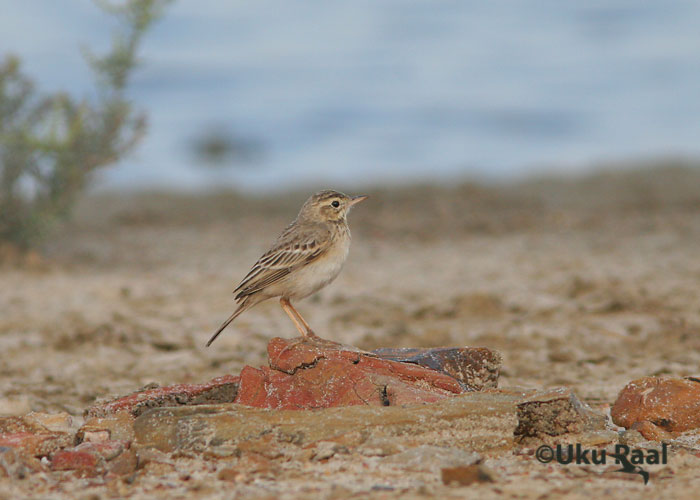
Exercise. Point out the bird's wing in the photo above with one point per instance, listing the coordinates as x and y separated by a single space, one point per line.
294 248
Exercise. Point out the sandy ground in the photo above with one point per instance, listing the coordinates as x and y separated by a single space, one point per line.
588 283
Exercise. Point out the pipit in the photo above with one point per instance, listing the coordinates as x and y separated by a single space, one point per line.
307 256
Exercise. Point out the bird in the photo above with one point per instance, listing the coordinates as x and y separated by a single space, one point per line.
306 257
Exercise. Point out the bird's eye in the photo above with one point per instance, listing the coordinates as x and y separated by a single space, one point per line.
335 203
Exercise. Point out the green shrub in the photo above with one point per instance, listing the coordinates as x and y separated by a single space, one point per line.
50 145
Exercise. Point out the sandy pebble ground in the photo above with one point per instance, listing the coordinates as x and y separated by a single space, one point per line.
588 283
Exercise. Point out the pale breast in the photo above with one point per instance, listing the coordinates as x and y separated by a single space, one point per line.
317 274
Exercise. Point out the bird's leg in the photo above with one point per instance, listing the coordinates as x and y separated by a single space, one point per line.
294 316
309 331
308 334
302 326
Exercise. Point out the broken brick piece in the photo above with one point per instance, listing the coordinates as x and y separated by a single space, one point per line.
659 407
555 412
304 376
476 368
219 390
36 445
93 459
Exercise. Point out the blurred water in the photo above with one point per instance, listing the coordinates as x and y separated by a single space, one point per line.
351 93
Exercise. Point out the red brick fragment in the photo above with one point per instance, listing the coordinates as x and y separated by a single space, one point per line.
659 407
93 459
219 390
83 461
321 374
303 376
36 445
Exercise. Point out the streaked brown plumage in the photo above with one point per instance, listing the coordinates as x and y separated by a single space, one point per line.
307 256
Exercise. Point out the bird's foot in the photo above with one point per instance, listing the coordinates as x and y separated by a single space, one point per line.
310 338
287 348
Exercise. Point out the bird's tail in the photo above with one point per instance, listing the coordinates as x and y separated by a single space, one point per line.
242 307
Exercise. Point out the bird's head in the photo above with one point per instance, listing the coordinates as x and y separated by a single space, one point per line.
329 206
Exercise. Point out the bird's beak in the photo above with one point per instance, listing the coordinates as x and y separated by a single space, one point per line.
357 199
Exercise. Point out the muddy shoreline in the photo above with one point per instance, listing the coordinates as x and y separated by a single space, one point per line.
586 284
